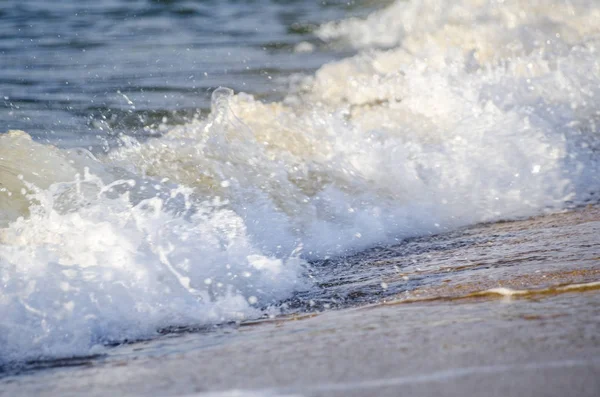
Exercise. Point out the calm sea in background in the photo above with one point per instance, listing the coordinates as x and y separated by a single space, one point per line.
73 73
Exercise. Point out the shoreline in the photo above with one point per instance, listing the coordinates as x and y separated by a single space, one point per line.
444 340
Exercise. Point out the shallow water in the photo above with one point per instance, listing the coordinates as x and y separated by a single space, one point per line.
346 186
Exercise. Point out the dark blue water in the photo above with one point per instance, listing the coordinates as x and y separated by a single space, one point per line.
76 73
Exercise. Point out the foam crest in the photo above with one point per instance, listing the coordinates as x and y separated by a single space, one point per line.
468 24
88 267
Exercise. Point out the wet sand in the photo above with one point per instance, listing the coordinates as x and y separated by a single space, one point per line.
446 324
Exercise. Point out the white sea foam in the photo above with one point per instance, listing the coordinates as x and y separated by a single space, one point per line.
476 111
88 266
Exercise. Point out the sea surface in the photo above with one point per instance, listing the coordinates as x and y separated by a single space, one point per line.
76 73
168 167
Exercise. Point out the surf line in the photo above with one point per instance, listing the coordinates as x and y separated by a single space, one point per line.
501 292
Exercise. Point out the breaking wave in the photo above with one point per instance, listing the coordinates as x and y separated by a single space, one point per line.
452 113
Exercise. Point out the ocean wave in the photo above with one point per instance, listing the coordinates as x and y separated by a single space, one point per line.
451 114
